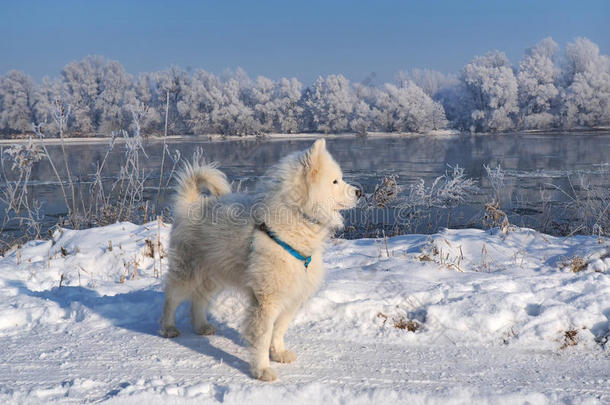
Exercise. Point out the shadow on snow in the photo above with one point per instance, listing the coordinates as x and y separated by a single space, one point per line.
138 311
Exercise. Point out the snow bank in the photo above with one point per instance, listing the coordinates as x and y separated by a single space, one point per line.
461 316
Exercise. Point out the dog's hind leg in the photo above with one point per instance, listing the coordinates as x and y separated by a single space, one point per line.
175 293
200 299
260 329
278 350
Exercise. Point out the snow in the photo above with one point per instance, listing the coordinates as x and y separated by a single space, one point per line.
458 317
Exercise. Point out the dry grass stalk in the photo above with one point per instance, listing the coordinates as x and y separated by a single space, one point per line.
159 246
495 217
409 325
385 192
400 322
570 338
577 264
385 241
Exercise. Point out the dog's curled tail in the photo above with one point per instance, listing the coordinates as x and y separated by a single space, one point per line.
195 175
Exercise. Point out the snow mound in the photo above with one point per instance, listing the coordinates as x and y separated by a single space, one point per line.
471 287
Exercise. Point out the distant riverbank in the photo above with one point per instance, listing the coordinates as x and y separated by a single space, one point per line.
219 137
298 136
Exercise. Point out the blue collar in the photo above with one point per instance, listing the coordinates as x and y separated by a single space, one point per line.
306 259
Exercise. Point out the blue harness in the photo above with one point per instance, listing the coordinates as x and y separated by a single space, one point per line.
305 259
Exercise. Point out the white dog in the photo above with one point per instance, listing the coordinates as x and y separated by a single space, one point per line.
269 244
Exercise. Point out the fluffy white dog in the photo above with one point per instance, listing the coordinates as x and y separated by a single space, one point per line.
268 243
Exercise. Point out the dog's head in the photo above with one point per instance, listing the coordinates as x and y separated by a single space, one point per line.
326 191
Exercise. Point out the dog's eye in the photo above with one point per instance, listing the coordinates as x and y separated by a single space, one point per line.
336 182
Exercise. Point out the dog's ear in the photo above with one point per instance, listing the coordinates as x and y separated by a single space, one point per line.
319 144
314 158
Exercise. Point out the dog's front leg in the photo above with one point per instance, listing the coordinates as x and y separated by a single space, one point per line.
278 350
262 319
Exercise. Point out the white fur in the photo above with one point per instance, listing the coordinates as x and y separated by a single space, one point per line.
215 243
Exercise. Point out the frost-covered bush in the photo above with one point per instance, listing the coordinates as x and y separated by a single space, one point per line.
446 191
20 210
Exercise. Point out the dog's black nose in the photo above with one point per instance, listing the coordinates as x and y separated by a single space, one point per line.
358 193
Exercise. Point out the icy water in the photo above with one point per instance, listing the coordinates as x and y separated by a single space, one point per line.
533 164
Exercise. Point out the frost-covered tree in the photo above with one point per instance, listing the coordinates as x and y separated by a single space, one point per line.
537 90
491 89
329 104
16 102
113 96
219 105
430 81
487 96
407 109
586 77
363 116
288 111
175 82
261 97
82 80
275 104
232 116
360 120
46 96
143 97
233 106
200 100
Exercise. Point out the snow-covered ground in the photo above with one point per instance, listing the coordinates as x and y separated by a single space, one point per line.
459 317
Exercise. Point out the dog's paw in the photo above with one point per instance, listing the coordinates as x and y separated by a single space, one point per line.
169 332
205 329
283 357
264 374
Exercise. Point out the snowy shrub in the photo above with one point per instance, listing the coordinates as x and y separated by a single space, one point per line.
496 180
446 191
588 207
385 192
20 211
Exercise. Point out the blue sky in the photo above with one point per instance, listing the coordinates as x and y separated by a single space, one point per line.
280 38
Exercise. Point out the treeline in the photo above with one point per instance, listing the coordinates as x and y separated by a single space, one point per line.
547 90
